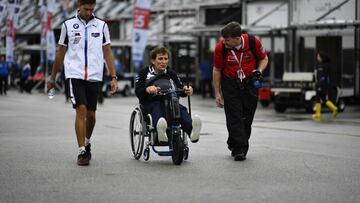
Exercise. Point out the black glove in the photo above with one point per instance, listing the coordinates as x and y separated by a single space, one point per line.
257 78
257 75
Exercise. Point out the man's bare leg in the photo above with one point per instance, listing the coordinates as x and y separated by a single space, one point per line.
90 123
80 129
80 124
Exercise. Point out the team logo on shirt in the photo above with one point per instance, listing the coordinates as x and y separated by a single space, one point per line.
231 58
76 26
246 56
95 34
77 38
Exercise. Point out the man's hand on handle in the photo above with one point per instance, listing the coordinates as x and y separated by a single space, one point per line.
152 89
188 90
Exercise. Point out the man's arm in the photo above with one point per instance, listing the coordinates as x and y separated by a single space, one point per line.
109 58
261 53
263 64
56 66
58 61
217 87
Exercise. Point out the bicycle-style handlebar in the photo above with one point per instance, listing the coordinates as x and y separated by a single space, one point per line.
169 91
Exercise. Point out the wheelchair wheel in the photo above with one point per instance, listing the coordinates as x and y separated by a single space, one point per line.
178 152
137 132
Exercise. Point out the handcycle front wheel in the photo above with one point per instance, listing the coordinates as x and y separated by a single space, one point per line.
136 132
186 153
178 151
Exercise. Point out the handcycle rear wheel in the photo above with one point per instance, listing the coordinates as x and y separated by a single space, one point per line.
136 132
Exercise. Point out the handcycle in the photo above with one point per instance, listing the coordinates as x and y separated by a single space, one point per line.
142 132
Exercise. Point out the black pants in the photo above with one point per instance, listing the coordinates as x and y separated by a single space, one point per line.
240 104
25 84
321 93
3 84
84 92
156 109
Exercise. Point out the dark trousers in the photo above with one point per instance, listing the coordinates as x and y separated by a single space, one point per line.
67 90
156 109
240 104
25 84
101 94
320 97
321 93
3 84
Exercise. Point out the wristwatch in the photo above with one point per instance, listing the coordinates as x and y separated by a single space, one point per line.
114 77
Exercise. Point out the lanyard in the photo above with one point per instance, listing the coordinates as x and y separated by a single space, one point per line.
240 72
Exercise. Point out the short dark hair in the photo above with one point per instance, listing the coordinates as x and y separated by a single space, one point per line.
158 50
231 30
82 2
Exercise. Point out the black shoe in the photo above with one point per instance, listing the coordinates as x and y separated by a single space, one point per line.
88 151
83 159
239 156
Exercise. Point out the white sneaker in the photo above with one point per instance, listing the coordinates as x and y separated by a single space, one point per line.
161 127
195 133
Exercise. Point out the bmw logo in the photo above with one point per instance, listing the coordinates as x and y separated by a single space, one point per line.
76 26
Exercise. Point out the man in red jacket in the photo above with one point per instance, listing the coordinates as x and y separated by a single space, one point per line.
235 64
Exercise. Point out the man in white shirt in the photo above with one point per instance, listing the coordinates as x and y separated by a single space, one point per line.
83 45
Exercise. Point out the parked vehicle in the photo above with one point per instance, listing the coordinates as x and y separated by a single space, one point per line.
297 90
125 86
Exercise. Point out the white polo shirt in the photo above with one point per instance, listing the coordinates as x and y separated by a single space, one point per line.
84 58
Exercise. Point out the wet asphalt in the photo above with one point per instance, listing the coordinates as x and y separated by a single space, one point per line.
291 158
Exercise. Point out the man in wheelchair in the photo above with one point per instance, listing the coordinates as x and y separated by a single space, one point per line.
158 76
